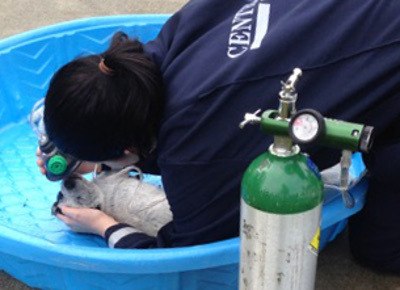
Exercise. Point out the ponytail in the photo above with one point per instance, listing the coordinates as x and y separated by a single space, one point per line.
123 53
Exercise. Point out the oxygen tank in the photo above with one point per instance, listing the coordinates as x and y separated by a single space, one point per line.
282 194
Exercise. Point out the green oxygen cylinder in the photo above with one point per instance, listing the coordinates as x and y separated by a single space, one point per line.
282 194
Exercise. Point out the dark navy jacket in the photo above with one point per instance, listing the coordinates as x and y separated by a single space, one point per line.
223 58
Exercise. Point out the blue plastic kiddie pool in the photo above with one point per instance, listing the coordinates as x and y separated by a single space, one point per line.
38 249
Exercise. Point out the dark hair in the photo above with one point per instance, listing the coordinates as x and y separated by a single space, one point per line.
94 115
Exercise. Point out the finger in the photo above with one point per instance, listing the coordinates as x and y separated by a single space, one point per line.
75 213
69 212
40 162
42 170
38 152
65 219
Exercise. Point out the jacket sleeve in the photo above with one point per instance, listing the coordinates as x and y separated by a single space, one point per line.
124 236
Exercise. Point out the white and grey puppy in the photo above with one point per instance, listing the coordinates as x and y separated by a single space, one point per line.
128 199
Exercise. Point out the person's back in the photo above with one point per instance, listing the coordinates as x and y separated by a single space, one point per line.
221 59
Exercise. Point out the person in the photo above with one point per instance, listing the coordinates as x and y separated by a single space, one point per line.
218 60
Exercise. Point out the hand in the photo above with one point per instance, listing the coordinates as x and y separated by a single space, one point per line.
40 162
86 220
85 167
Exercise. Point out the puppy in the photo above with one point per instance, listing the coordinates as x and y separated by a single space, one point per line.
128 199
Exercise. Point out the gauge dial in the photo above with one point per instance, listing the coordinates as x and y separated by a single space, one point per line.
306 126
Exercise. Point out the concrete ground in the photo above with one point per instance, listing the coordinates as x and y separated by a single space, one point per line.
336 268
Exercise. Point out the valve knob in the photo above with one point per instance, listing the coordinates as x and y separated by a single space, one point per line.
250 118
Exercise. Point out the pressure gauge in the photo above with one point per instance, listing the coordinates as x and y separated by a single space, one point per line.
306 126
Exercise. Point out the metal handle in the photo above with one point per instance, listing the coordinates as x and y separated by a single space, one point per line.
250 118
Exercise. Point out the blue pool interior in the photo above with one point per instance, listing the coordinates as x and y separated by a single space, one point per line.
31 59
37 248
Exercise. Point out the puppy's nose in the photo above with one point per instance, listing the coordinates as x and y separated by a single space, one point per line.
55 209
69 183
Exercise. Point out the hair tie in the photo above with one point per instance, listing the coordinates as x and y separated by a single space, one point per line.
105 69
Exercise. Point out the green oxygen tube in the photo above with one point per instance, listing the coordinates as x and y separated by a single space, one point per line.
282 193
